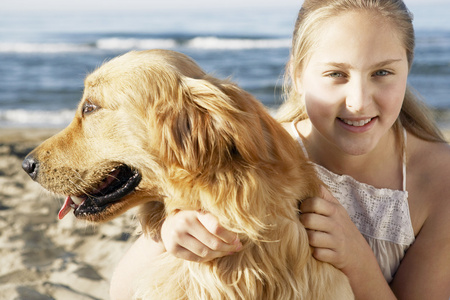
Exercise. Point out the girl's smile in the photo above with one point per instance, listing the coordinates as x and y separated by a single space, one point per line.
357 125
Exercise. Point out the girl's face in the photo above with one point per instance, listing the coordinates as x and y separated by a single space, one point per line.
354 82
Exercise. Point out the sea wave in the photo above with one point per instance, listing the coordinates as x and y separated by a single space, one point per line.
38 118
437 41
238 44
43 47
132 43
120 43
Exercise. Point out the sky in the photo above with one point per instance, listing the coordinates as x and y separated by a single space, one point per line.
149 5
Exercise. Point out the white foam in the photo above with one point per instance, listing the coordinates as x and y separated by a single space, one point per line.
39 118
213 43
131 43
43 47
237 44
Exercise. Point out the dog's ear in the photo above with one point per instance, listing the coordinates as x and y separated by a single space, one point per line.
212 123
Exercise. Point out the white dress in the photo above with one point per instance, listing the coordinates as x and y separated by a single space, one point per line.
381 215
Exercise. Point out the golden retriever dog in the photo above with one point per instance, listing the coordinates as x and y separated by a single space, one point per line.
154 130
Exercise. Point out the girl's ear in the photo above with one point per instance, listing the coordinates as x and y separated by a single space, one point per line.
298 84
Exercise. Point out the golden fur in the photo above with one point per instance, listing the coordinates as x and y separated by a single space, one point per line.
199 143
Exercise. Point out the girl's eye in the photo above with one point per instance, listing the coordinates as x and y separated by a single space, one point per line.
89 107
335 75
382 73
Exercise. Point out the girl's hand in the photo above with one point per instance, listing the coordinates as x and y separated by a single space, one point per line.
197 236
332 234
336 240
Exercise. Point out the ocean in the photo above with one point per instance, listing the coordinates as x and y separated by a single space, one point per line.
45 56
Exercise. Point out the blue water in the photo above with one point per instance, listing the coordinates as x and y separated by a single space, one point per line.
44 57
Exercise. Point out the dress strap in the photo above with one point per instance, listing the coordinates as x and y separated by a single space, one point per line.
299 139
404 158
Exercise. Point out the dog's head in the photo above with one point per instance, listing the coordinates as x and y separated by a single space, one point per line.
152 126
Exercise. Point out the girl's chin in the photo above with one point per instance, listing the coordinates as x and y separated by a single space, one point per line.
357 150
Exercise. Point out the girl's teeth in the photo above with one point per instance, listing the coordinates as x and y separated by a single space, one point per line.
356 123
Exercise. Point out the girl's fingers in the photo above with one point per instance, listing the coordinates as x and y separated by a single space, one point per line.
315 221
324 205
210 241
320 239
195 236
194 250
325 255
319 206
326 194
212 225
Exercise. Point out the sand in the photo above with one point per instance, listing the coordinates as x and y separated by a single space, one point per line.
40 256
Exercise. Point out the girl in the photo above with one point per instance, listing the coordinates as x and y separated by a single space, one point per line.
386 222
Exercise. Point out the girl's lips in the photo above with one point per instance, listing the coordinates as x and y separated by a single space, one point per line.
357 125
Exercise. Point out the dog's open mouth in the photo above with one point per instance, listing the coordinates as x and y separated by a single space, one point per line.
120 182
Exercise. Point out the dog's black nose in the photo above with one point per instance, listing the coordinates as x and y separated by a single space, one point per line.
31 166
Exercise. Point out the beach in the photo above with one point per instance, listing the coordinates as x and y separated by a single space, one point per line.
44 58
42 257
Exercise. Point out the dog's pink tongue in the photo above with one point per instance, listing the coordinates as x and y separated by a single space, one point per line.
65 209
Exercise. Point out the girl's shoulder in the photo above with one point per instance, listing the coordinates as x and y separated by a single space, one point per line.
428 173
430 158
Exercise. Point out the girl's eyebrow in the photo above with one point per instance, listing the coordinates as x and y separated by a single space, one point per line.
386 63
347 66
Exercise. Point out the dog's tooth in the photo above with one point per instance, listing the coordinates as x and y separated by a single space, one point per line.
77 200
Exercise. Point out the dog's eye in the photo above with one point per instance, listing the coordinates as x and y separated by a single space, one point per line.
89 107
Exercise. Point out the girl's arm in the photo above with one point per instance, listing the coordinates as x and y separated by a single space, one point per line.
424 273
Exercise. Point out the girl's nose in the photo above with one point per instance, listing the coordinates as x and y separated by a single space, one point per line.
358 96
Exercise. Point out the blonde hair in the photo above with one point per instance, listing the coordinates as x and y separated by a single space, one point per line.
414 116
